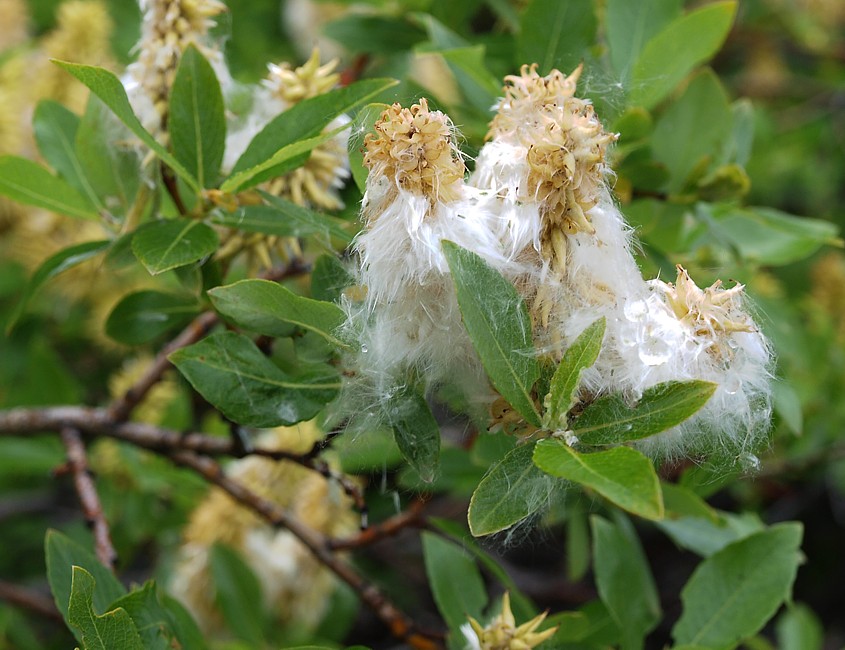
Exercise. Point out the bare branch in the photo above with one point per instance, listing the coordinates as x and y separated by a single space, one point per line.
29 599
88 497
387 528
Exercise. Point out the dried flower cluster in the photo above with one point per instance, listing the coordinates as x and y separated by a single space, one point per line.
537 209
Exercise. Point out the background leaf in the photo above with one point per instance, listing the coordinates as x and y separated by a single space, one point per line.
555 34
624 580
27 182
497 321
196 120
237 592
145 315
455 581
233 375
631 25
622 475
734 592
114 629
416 432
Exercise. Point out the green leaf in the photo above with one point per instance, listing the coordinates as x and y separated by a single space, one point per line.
159 625
114 629
704 536
683 44
621 475
238 594
62 553
269 308
499 326
285 159
166 244
609 420
283 219
302 121
631 25
109 159
234 376
142 316
476 82
624 580
701 119
798 628
680 501
563 391
373 34
455 581
53 266
28 182
416 432
329 278
512 490
55 129
771 237
788 406
196 120
110 90
733 593
556 34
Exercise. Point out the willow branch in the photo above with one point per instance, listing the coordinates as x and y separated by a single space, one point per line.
88 497
29 599
399 624
387 528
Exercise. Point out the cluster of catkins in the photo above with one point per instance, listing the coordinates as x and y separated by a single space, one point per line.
538 210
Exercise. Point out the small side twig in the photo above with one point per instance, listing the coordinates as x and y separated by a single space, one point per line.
29 599
387 528
88 497
399 624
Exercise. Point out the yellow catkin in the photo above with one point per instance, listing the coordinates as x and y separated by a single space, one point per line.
503 633
296 586
15 29
12 104
828 289
82 33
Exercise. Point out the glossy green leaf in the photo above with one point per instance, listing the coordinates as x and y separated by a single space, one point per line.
269 308
110 90
160 625
196 120
285 159
771 237
514 489
238 594
455 581
113 629
733 593
701 119
556 34
416 432
630 25
29 183
233 375
609 420
683 44
167 244
622 475
302 121
500 328
145 315
704 536
109 157
578 357
55 128
62 554
53 266
284 219
624 580
798 628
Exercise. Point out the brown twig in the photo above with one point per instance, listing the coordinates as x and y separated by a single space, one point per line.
387 528
29 599
88 497
399 624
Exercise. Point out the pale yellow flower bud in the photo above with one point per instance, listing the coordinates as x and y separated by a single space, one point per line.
503 634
